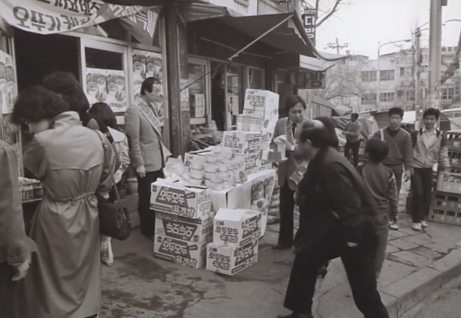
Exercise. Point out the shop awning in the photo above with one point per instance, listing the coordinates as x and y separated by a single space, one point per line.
288 36
313 64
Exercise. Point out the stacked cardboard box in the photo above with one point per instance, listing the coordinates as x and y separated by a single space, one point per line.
235 241
183 222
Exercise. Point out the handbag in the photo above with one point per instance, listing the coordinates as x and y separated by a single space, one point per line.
114 219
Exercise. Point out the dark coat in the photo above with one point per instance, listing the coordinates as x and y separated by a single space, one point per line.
333 200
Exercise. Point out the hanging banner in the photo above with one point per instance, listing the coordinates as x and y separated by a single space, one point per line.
142 25
56 16
8 87
107 86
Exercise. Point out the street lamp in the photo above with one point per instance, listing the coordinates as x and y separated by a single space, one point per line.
378 66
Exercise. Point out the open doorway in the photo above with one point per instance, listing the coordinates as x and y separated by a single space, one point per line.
39 55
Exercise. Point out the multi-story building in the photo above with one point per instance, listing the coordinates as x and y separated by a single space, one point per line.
378 84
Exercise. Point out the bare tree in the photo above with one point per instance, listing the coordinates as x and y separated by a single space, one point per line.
332 10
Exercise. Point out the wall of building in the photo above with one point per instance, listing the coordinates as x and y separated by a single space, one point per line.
243 7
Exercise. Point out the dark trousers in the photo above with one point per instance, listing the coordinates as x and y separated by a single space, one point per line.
360 265
354 147
398 173
7 298
287 204
421 190
147 216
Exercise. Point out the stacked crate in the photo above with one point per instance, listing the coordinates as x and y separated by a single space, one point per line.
446 203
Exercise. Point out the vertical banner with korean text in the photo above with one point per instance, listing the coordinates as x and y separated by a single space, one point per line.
310 21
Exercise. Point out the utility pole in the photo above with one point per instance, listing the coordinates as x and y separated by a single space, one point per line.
417 71
435 52
337 46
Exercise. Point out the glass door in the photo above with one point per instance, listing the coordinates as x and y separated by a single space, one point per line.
198 91
234 94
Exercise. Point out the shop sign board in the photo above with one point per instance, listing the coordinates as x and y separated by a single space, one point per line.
52 16
179 251
309 22
230 260
107 86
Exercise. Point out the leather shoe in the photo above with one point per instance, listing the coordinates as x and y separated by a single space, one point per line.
296 315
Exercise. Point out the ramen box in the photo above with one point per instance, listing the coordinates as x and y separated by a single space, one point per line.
242 142
187 201
230 260
182 228
236 227
179 251
264 105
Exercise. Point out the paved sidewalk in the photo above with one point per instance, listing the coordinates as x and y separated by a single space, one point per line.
139 285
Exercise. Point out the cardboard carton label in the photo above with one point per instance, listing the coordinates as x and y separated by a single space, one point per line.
242 142
186 229
179 252
236 226
180 200
230 260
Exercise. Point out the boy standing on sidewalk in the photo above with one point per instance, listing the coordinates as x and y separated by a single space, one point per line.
400 151
381 183
429 148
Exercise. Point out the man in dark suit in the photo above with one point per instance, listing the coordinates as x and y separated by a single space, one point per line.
338 222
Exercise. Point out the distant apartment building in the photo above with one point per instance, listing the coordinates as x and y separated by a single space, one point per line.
378 84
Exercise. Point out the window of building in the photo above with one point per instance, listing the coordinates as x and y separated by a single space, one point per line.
447 93
368 76
399 94
402 71
411 95
369 99
387 97
255 78
386 75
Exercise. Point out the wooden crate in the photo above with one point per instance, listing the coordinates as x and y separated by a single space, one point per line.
445 216
449 183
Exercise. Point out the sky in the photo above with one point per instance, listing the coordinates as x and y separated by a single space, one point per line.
364 23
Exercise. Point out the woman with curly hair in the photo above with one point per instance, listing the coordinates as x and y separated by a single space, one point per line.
73 162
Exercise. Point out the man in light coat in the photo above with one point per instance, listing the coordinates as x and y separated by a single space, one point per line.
147 153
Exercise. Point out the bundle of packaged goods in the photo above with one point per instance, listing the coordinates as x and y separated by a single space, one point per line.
183 222
235 241
31 189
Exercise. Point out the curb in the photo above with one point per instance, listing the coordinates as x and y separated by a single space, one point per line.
401 296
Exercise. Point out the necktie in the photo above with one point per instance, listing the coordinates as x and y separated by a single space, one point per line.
293 129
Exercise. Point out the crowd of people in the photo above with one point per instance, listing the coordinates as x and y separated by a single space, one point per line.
79 155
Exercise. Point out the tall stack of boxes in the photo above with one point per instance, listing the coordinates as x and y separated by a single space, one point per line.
235 241
183 222
446 204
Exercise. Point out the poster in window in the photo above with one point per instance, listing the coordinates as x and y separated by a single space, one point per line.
148 64
199 103
107 86
8 87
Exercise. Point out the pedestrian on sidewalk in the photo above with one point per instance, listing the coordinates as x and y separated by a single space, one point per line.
15 246
147 153
295 106
73 164
429 149
400 151
381 183
107 124
340 215
353 133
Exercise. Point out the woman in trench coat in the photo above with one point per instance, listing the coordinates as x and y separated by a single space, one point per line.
73 162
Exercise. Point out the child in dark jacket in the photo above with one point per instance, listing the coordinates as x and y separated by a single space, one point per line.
381 183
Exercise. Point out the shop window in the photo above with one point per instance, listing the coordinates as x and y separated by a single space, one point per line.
386 97
368 99
197 91
255 78
368 76
234 93
386 75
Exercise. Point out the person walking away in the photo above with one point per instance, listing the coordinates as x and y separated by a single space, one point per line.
147 153
353 135
400 152
429 149
381 183
338 222
107 124
73 164
286 126
15 246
